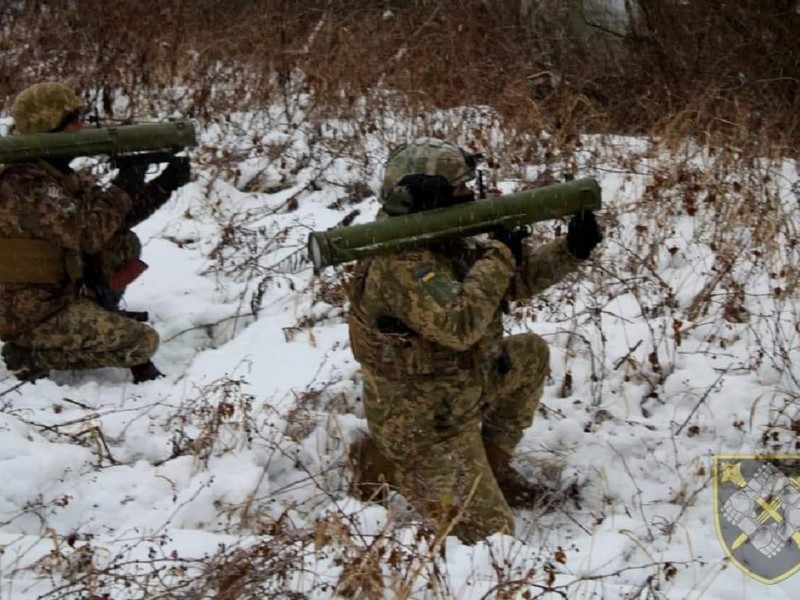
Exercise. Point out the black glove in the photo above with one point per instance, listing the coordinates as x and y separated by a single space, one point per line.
427 191
97 284
513 239
131 178
176 174
583 235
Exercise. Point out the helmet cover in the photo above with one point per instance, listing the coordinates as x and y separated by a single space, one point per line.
43 106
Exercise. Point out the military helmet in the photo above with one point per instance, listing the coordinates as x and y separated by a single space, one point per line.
429 156
43 106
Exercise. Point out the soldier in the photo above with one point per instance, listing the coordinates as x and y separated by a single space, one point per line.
446 396
67 252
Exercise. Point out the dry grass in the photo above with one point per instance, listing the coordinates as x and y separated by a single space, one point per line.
723 77
716 73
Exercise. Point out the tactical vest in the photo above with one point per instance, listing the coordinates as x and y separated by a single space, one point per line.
35 261
404 354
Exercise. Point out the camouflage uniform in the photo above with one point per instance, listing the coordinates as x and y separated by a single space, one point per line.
441 383
56 323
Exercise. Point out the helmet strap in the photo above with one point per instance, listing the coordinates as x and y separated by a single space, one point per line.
68 118
481 188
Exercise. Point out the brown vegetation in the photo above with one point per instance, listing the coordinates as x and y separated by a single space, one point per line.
726 69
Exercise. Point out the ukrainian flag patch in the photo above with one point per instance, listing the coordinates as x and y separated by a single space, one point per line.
440 288
425 274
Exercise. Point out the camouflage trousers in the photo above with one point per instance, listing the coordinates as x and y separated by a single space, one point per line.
83 335
432 430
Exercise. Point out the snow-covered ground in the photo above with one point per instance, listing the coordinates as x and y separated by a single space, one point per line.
678 343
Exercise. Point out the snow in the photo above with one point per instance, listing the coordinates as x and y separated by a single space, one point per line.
242 446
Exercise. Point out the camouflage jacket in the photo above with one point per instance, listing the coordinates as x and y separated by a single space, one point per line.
427 312
37 201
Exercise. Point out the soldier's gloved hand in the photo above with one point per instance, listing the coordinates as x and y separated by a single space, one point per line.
427 191
176 174
131 178
513 239
583 234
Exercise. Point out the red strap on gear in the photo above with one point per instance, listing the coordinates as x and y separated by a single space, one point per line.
122 278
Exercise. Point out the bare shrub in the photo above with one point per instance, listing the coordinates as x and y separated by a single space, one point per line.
727 71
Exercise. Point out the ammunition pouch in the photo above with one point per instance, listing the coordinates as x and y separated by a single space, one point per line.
31 261
399 355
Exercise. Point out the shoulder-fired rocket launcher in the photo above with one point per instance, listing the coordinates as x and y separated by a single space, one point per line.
124 144
343 244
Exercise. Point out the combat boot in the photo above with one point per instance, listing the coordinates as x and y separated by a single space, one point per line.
372 473
22 363
517 490
145 372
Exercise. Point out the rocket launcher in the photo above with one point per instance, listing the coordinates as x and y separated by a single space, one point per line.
342 244
124 144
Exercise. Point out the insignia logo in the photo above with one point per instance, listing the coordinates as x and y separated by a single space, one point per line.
757 513
52 191
425 274
440 288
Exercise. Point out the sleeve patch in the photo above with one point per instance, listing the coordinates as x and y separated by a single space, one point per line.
441 289
426 273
